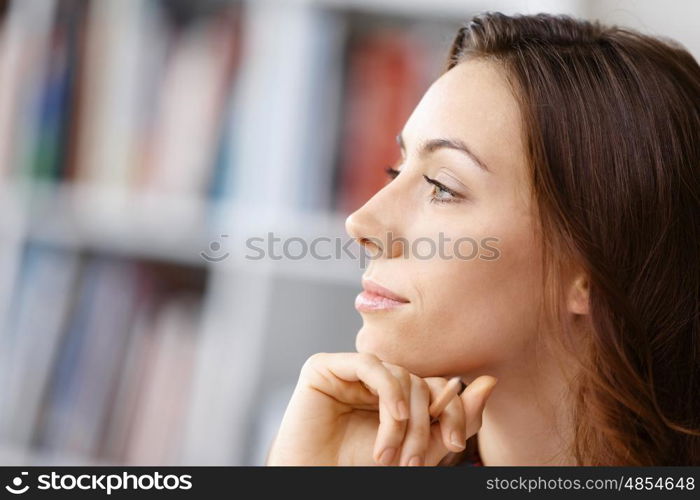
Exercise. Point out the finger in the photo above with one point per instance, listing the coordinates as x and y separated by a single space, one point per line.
387 444
453 425
436 445
391 432
449 391
474 399
447 409
393 408
404 377
415 443
358 367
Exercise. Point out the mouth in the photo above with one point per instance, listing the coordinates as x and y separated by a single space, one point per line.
375 297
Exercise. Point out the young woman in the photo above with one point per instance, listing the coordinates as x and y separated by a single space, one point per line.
573 150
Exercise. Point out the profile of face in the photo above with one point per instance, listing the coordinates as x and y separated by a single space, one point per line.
464 315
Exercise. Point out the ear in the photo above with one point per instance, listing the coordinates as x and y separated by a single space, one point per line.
578 295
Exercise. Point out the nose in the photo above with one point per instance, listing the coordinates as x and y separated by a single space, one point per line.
375 228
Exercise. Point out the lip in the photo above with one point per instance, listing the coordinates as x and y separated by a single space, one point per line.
375 297
377 289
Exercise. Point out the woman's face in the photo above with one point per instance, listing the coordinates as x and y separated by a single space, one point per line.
465 315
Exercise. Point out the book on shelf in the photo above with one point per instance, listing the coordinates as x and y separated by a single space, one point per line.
117 93
122 56
159 420
88 362
275 108
181 143
32 333
155 96
25 40
98 356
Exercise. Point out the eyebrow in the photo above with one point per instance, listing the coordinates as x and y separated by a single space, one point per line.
430 145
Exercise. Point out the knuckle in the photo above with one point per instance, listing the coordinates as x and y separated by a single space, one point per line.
420 432
393 429
415 444
421 386
314 361
399 372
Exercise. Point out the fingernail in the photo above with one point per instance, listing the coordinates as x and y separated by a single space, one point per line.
402 410
456 441
387 456
415 461
487 392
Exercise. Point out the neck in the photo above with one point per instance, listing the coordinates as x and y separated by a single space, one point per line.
526 418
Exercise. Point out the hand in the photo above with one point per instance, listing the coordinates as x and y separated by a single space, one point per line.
353 409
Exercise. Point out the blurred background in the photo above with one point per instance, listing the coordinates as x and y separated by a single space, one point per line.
142 142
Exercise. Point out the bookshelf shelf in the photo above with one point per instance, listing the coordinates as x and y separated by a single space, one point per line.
80 216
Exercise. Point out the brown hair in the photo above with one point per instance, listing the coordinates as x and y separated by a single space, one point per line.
611 119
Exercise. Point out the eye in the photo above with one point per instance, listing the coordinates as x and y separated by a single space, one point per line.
441 193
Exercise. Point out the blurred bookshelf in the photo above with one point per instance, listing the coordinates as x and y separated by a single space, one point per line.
140 137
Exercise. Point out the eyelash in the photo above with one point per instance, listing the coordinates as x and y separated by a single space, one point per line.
393 173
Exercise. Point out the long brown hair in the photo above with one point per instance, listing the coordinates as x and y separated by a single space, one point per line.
611 119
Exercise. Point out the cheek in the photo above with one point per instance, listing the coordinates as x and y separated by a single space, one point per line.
478 313
471 314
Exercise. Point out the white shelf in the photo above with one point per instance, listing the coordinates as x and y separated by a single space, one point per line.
77 216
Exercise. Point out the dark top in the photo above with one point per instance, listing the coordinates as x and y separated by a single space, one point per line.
470 463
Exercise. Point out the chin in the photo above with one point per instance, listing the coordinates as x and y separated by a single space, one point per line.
377 343
416 360
389 350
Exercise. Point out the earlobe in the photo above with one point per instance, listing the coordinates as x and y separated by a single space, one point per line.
578 300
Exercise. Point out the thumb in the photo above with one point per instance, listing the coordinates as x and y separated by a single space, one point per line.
474 399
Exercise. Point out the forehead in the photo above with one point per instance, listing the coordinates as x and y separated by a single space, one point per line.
472 102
